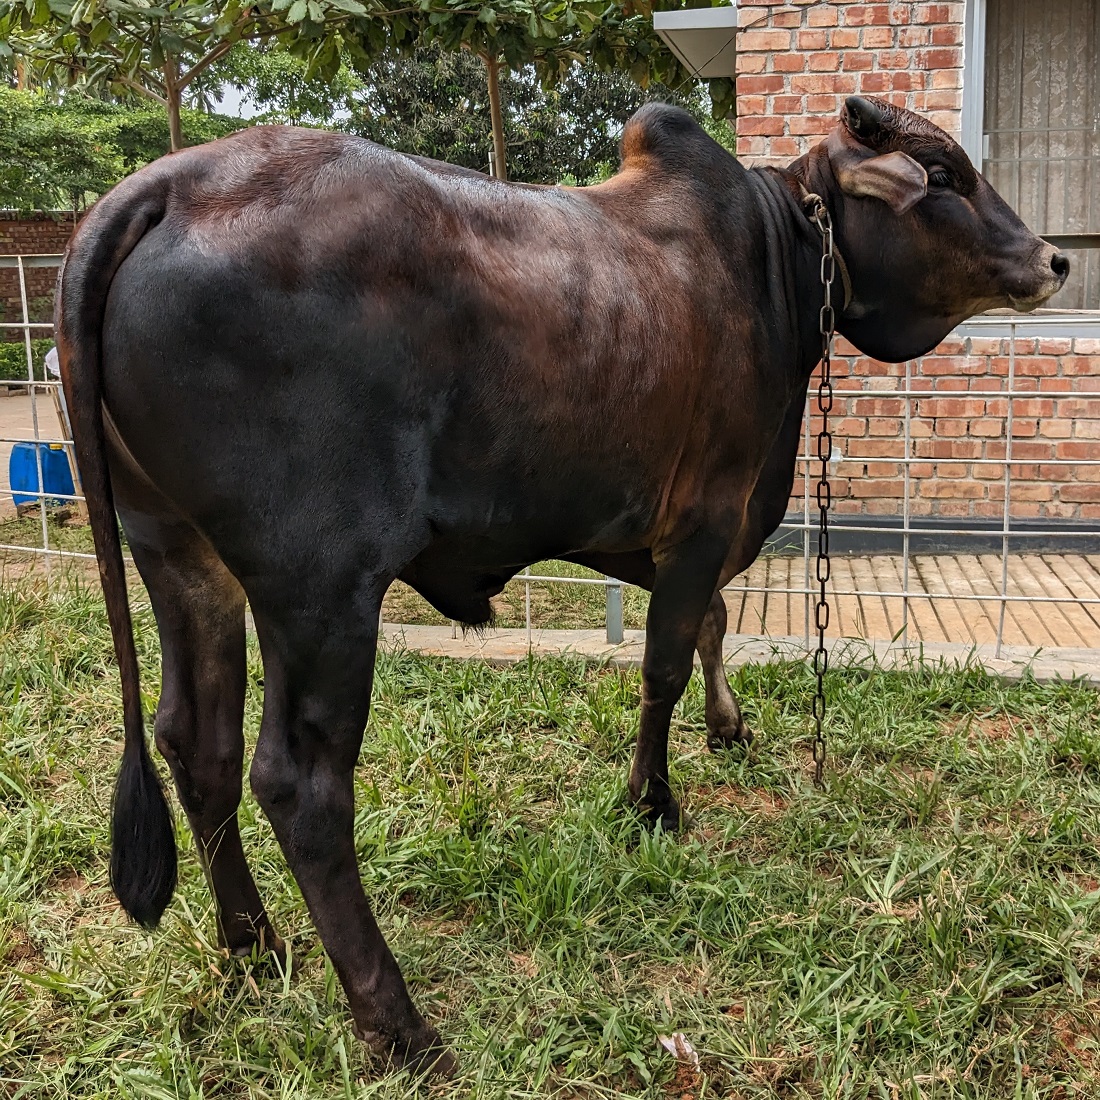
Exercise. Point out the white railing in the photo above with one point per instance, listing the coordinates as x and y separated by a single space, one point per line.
805 525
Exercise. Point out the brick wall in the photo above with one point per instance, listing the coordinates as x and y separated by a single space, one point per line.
38 234
797 60
958 437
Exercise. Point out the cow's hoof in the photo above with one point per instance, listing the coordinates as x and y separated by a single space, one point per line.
668 815
423 1054
265 948
732 736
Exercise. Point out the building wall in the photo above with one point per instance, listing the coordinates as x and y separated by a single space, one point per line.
36 234
796 62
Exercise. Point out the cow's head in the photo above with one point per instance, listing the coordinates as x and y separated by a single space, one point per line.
927 241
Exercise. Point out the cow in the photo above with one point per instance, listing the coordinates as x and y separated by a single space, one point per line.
301 366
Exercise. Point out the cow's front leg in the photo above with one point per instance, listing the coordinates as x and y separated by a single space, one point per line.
683 585
725 726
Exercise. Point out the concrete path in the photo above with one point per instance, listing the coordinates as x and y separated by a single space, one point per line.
505 647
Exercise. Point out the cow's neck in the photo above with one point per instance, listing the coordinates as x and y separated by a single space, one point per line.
793 259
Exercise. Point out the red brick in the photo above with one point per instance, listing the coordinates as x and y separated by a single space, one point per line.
1079 408
952 429
1087 346
1081 494
787 105
759 85
946 78
949 34
764 40
938 13
811 40
1081 365
822 104
752 105
938 489
987 427
768 127
787 19
877 488
863 15
882 426
836 83
844 38
822 15
786 147
751 62
893 59
788 63
858 61
827 62
911 37
877 38
939 57
814 125
874 82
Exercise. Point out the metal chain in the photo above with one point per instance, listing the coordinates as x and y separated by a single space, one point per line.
819 212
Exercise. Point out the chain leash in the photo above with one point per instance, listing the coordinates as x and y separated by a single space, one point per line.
819 213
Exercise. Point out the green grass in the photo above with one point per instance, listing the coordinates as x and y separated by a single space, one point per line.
927 927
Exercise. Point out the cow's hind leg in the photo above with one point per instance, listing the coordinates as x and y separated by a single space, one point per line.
199 607
318 668
725 726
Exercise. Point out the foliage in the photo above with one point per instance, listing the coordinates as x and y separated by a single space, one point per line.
927 926
165 51
435 104
61 155
13 360
160 52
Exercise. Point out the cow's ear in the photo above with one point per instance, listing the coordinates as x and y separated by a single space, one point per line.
895 178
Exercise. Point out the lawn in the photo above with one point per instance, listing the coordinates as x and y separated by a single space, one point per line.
927 927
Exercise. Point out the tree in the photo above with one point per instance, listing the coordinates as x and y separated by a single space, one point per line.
63 155
165 51
436 104
159 51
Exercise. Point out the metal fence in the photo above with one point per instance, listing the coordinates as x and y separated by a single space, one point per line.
800 526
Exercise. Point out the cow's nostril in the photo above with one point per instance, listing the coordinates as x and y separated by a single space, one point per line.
1059 264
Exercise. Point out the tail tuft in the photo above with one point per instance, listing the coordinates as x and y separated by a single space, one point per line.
143 840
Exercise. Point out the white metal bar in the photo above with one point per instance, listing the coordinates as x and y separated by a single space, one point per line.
905 517
1008 496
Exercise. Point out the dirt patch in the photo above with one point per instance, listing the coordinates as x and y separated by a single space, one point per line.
21 952
755 801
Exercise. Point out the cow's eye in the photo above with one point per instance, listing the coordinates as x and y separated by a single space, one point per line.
939 177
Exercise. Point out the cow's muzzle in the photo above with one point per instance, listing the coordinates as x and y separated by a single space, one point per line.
1044 277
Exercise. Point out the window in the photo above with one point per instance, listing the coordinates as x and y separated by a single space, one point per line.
1041 127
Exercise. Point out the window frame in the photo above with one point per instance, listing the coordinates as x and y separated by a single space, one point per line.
972 138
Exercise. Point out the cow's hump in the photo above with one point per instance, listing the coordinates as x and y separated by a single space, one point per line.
668 135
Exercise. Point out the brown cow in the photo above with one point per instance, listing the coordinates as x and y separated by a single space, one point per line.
301 366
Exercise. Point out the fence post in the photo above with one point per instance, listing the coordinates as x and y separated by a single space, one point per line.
614 614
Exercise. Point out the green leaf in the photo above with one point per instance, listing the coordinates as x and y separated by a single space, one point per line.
297 11
101 31
351 6
487 15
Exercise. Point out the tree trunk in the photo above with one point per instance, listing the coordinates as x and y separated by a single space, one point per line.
173 94
492 69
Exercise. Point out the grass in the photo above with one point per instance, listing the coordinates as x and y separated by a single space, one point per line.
927 927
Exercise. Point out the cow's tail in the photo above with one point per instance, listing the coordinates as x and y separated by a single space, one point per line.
143 842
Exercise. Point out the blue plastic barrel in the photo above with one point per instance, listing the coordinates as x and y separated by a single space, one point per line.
23 473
